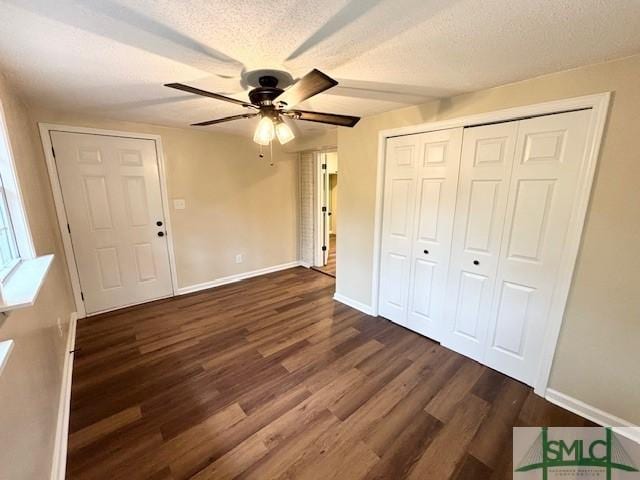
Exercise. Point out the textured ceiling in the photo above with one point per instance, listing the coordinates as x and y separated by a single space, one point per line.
110 58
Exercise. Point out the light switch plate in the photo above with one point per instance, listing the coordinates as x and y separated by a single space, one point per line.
179 203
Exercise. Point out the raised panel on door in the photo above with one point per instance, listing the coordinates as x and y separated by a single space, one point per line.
436 186
547 163
402 157
485 170
111 190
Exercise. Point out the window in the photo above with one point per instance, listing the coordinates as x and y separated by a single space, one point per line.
21 272
9 256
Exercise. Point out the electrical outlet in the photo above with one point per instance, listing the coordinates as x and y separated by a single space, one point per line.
179 204
59 326
239 258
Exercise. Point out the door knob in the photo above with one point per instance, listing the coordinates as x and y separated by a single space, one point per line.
161 234
159 223
426 252
476 262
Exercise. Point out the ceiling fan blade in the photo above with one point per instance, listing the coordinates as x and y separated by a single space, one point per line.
204 93
330 118
311 84
225 119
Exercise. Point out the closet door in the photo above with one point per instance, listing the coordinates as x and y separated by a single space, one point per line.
436 185
548 160
397 229
485 171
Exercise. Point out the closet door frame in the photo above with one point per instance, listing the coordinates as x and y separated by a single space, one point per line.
598 104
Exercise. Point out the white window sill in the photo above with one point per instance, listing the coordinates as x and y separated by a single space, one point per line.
21 289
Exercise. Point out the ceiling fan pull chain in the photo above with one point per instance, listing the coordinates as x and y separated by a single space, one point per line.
271 152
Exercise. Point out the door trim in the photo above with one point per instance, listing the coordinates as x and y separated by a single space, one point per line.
45 129
599 106
319 158
318 240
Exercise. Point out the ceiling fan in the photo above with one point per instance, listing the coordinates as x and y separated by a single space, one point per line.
272 103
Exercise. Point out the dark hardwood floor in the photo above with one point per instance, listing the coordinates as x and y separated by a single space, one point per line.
270 378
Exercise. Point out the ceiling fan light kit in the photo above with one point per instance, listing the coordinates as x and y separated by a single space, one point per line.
272 103
284 133
264 132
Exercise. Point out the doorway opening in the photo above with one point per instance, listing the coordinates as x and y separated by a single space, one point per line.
319 210
327 214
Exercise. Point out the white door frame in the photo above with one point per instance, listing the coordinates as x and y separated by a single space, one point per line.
319 157
599 105
45 129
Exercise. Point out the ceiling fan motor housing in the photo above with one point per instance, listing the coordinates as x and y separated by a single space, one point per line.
266 92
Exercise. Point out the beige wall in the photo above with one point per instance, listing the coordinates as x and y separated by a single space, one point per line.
235 202
30 383
598 354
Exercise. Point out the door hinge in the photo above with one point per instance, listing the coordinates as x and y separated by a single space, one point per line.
324 209
324 166
53 150
324 248
69 229
82 296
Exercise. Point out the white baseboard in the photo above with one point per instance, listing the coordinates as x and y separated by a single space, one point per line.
59 462
363 307
235 278
305 264
594 414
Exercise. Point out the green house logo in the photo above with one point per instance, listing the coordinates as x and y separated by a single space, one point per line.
601 453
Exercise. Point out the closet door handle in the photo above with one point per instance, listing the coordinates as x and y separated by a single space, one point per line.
476 262
426 252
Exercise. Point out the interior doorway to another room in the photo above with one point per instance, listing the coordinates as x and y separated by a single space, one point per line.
328 213
319 209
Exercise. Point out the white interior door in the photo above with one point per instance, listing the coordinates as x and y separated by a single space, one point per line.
485 171
402 157
548 158
112 198
435 200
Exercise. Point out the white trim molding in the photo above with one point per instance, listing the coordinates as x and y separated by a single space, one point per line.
599 106
59 461
596 415
45 129
236 278
363 307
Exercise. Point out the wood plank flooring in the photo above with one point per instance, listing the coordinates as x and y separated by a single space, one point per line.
270 378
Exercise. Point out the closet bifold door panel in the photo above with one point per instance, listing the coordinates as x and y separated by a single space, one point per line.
436 185
421 174
397 230
549 154
485 171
